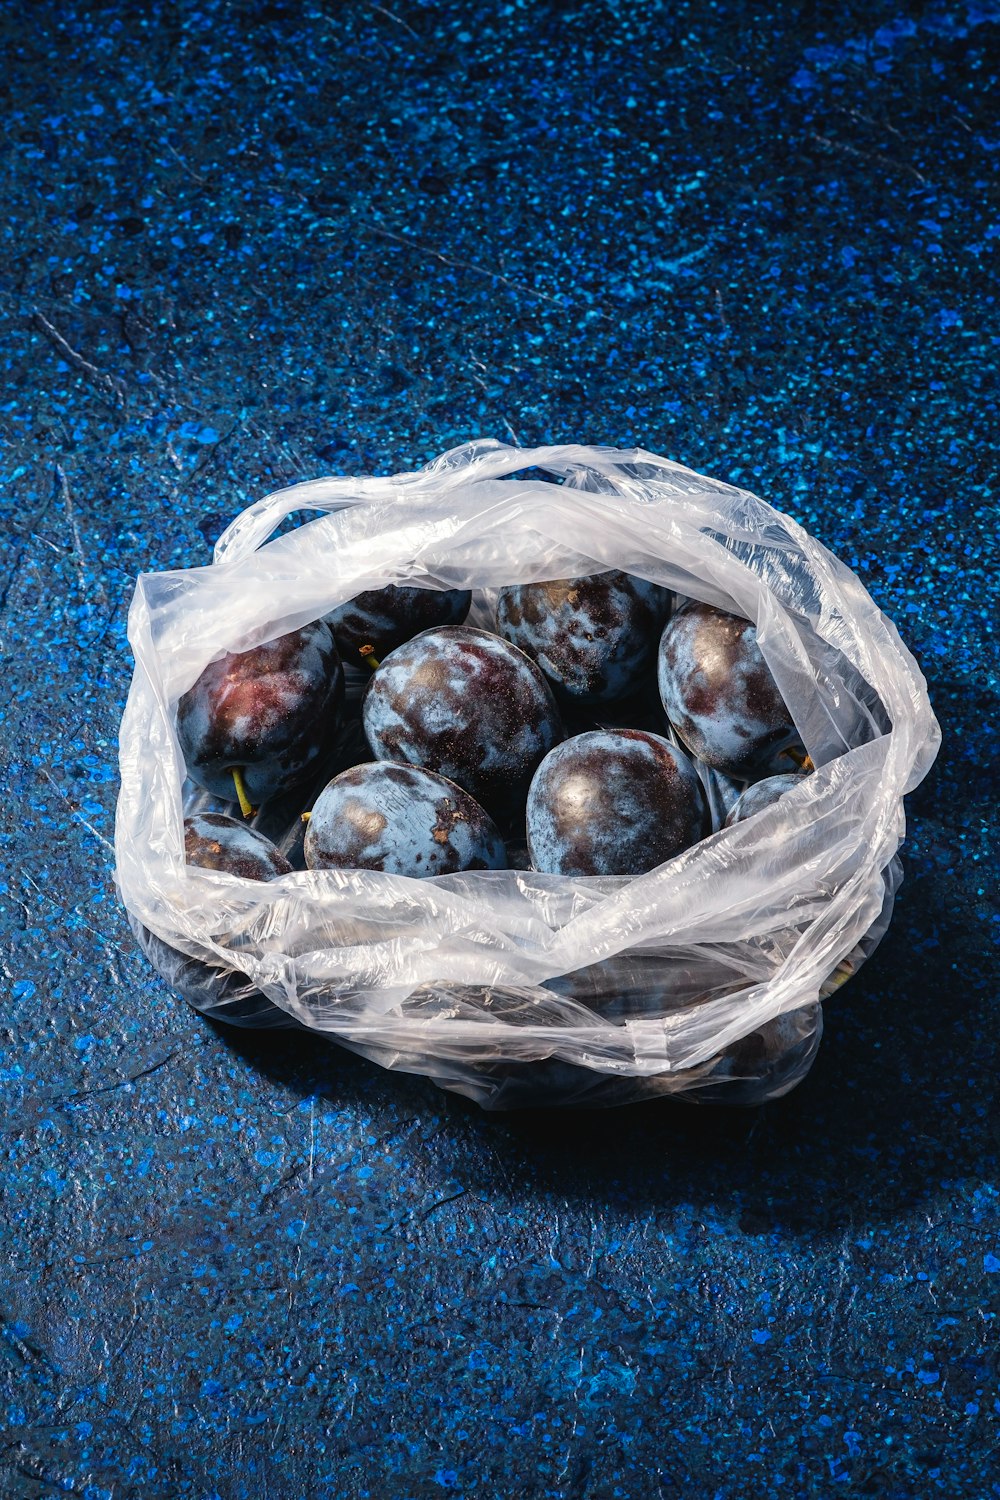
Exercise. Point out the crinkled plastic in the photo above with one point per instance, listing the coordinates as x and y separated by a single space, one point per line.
702 979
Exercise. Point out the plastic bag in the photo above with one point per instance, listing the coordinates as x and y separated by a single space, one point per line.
702 978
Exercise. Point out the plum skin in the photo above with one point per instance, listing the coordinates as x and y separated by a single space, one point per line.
613 802
386 618
217 842
400 819
268 712
762 794
468 705
214 841
720 696
595 637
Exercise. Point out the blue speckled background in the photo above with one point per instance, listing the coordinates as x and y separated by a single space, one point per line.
242 244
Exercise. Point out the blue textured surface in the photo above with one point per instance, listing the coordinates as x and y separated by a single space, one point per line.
244 244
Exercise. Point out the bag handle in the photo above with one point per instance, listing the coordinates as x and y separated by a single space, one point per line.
255 525
485 458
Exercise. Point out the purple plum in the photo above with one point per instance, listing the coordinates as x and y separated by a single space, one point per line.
613 802
382 619
264 714
762 794
468 705
217 842
595 638
762 1065
400 819
720 696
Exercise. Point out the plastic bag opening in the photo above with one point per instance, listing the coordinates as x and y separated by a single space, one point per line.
514 987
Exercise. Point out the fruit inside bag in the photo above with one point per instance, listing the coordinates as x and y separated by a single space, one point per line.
701 977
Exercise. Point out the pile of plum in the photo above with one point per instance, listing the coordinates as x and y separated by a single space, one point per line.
568 739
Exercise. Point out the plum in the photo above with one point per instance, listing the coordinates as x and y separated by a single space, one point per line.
217 842
762 1065
762 794
613 802
468 705
720 697
636 985
256 720
382 619
594 638
400 819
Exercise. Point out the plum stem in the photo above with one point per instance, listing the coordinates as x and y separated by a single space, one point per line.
246 806
804 762
304 817
367 654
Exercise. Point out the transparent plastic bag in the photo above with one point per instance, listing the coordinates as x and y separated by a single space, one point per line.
701 979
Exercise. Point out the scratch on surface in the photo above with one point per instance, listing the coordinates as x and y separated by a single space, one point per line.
293 1292
79 552
25 1348
859 114
576 1401
206 463
440 1202
274 1193
720 303
186 165
125 1340
555 1242
46 543
9 583
592 1252
398 20
110 1260
100 936
397 1131
871 156
505 1173
75 812
835 1316
119 1083
287 452
466 265
107 383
